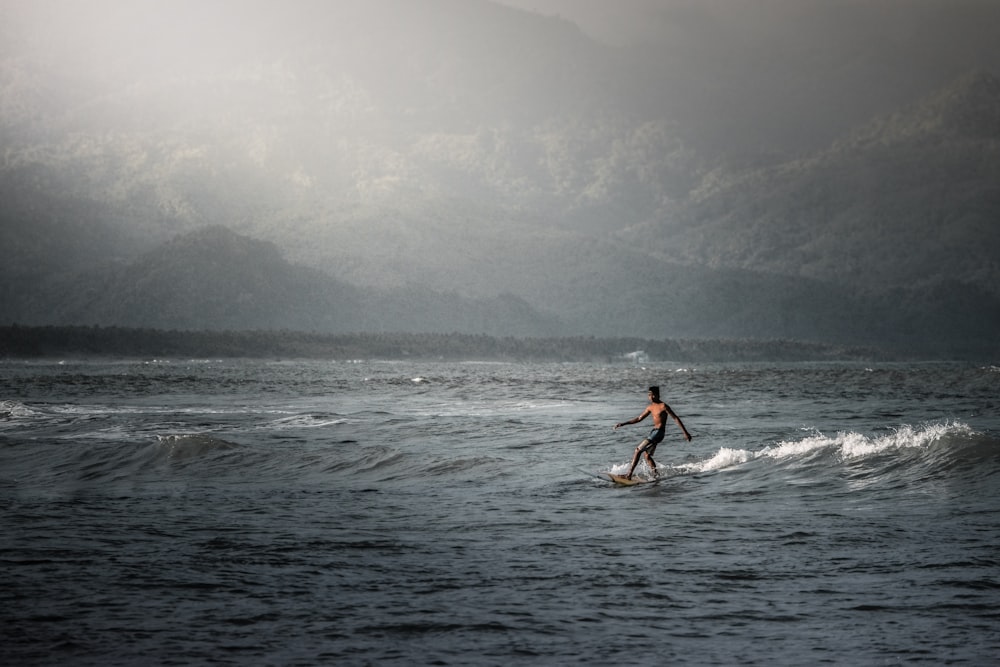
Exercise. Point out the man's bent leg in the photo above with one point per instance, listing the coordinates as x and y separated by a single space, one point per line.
652 464
635 459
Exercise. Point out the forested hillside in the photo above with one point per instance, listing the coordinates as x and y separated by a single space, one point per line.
215 279
458 165
912 197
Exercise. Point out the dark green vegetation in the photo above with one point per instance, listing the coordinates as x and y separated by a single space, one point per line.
457 166
76 342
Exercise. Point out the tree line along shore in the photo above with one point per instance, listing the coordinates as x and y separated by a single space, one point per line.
39 342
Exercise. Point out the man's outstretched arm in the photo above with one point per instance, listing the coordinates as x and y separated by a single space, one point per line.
634 420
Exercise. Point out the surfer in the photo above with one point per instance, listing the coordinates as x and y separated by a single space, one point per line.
660 412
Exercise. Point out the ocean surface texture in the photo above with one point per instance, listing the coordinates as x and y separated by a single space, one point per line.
356 513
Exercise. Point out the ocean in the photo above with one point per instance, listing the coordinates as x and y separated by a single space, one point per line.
355 512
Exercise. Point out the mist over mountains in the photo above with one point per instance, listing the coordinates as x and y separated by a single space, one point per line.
461 165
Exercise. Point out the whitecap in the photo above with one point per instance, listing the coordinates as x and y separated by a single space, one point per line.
845 446
10 410
726 457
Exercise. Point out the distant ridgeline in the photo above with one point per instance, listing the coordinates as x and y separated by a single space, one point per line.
82 341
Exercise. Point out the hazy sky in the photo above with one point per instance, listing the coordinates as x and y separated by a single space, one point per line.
623 22
950 28
613 22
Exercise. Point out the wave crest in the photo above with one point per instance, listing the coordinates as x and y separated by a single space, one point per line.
14 410
183 447
847 447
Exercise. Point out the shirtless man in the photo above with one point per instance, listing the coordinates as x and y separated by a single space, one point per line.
660 412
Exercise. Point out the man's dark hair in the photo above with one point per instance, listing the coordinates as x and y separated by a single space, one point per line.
655 391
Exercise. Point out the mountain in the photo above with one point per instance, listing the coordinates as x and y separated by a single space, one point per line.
210 278
965 110
460 165
213 278
909 199
785 76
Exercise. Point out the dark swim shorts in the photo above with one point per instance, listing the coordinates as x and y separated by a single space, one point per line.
654 438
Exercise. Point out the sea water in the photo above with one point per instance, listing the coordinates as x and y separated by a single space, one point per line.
364 512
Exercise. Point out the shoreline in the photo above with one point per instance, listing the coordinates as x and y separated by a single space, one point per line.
34 342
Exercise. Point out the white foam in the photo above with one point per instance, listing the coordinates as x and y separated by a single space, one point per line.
853 445
306 421
726 458
845 445
15 410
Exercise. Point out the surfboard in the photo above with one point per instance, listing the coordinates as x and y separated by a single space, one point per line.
621 479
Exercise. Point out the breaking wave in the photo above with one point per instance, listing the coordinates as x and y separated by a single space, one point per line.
927 450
